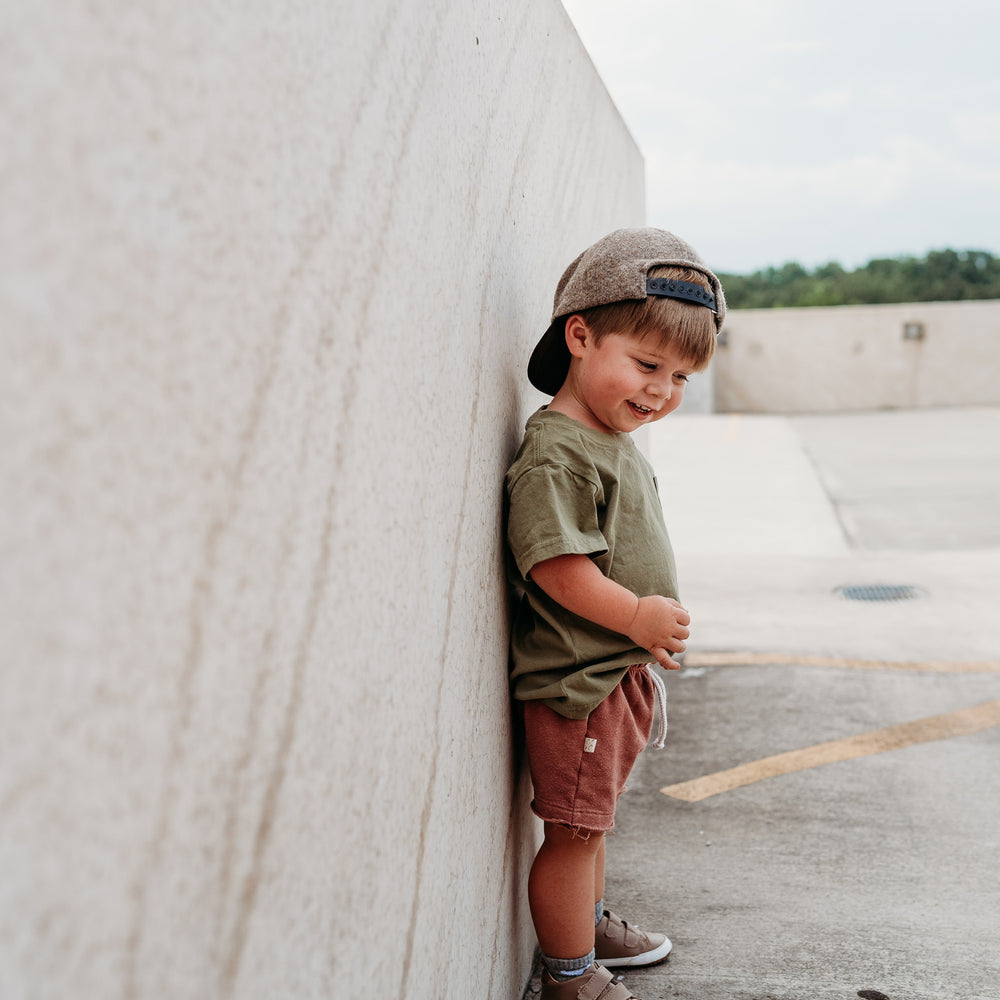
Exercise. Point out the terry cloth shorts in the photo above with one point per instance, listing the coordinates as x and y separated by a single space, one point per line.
579 766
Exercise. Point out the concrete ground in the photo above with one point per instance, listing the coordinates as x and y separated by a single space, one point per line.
831 826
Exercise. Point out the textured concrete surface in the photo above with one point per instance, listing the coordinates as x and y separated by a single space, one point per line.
835 359
877 873
769 515
270 274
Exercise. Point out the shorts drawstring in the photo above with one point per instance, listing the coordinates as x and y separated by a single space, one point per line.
661 700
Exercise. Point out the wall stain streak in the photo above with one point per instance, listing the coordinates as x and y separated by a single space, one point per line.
439 696
247 897
454 564
237 787
322 226
201 601
268 813
349 286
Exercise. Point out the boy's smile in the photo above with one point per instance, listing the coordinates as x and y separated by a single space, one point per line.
621 382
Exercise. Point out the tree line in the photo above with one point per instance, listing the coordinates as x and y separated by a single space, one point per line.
940 276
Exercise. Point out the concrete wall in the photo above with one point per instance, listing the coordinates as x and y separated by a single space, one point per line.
857 358
270 274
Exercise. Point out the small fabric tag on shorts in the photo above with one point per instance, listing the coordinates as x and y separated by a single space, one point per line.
589 744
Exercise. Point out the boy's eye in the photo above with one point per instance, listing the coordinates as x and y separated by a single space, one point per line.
646 366
680 376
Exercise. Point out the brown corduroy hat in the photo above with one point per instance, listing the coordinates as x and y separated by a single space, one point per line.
615 269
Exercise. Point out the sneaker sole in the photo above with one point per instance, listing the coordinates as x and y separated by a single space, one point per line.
643 958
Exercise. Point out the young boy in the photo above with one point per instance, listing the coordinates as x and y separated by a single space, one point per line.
591 563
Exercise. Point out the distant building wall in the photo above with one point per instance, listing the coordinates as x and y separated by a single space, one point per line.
270 276
699 396
859 357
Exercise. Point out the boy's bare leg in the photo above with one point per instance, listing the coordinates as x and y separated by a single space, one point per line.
560 891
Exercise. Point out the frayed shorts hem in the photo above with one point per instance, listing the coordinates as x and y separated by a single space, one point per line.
580 826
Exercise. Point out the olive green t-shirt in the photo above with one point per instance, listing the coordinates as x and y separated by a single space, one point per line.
574 490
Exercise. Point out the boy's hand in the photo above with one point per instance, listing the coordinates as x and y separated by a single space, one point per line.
660 625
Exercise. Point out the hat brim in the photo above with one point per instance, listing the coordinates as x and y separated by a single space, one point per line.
548 365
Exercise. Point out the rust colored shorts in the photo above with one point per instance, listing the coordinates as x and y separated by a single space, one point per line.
579 766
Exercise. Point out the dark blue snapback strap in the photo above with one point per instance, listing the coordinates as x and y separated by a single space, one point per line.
687 291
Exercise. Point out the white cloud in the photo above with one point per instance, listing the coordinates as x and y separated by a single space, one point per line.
780 132
980 129
830 100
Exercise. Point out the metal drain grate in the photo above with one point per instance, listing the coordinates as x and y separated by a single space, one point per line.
879 592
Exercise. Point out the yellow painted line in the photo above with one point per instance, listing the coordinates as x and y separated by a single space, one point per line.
935 727
787 659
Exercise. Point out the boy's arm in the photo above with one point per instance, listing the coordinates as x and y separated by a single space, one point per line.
656 623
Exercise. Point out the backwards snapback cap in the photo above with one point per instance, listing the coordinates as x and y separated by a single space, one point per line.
616 269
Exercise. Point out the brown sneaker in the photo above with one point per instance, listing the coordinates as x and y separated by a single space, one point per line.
618 943
594 984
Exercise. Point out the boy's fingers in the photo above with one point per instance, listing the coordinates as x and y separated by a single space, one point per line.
682 619
663 658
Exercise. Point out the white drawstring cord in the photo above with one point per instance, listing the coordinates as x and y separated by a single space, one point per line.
661 701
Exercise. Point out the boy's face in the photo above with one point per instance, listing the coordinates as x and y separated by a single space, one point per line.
624 381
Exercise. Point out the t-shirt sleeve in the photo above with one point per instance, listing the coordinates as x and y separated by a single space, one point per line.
553 512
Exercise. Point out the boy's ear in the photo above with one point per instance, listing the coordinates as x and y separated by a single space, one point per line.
578 335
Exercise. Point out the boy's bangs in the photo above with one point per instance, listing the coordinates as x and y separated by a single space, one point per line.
688 328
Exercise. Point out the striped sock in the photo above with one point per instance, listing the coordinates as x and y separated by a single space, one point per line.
562 969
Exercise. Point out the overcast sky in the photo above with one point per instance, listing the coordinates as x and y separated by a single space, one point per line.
778 130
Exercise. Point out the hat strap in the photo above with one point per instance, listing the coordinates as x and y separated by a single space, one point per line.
688 291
